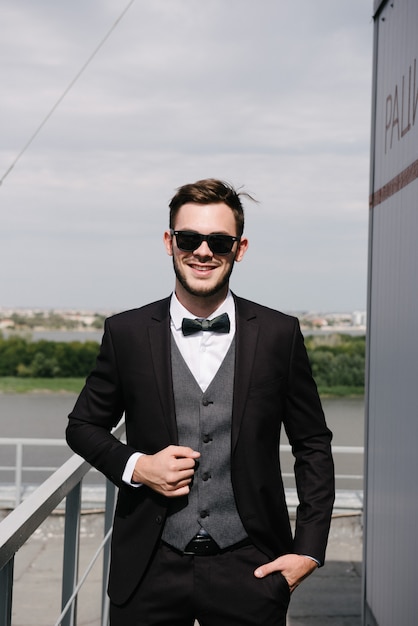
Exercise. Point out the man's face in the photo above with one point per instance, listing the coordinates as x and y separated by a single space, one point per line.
201 273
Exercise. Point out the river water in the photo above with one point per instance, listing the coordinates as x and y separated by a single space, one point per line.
44 415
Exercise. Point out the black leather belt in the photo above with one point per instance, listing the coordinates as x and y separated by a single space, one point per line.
202 544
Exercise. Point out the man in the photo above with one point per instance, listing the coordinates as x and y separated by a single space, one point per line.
201 528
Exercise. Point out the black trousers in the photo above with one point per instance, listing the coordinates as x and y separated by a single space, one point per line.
218 590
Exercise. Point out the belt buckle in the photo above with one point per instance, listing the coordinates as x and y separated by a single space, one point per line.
202 546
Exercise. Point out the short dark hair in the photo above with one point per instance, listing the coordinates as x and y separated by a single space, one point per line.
209 191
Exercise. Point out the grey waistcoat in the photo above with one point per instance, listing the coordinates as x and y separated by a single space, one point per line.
204 424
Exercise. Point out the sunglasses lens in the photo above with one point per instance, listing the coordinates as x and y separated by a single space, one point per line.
220 244
188 241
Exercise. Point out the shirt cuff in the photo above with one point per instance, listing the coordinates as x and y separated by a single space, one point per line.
129 470
312 559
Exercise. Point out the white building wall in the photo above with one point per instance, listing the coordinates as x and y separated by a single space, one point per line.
391 472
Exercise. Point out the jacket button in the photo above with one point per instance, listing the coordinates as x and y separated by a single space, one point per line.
159 519
205 402
205 476
204 514
207 438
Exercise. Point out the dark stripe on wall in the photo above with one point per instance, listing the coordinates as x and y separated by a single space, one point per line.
396 184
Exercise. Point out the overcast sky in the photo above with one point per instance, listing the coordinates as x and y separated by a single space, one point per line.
270 95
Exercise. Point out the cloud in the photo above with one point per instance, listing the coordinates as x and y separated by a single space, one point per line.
273 96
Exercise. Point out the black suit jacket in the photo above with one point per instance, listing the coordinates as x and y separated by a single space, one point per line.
273 386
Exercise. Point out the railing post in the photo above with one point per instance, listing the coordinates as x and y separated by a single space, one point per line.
18 473
71 553
108 521
6 593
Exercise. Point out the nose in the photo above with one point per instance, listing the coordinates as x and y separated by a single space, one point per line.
203 250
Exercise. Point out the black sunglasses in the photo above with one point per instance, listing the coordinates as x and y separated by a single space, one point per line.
189 241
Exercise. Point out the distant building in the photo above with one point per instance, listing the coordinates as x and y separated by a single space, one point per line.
6 323
359 318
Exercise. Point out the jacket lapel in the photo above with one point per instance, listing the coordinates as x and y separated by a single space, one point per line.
246 342
160 344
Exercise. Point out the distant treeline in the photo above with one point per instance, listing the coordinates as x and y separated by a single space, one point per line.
337 360
19 356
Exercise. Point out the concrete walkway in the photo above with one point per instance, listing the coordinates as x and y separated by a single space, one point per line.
330 597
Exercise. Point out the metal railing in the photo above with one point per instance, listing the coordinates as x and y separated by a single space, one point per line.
22 522
19 443
65 484
19 468
336 451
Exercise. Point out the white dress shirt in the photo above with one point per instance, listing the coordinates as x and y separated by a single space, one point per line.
203 351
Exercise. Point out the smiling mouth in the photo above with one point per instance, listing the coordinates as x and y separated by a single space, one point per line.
204 269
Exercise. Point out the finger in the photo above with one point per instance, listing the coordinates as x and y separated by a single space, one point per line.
176 493
173 482
180 468
184 475
184 465
184 452
265 570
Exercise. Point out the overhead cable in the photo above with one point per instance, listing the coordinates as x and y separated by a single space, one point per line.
61 98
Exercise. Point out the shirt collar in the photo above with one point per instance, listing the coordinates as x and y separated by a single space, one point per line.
178 311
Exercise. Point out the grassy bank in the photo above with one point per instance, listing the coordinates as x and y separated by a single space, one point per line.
340 391
14 384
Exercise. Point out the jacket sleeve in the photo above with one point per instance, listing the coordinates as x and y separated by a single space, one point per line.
310 439
98 409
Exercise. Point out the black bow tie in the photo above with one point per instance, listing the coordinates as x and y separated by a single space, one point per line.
220 324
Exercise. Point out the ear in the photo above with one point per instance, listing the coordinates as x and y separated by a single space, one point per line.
242 249
168 242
